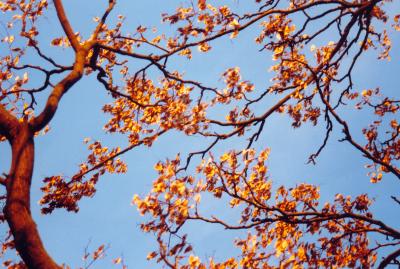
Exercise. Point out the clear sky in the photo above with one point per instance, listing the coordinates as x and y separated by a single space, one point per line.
109 217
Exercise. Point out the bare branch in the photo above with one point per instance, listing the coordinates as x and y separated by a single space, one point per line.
395 199
388 259
60 89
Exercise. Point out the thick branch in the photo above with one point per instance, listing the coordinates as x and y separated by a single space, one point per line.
8 123
17 210
62 17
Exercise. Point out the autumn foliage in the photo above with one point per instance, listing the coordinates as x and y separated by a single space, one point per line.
312 84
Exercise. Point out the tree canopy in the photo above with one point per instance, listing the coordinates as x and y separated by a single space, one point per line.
310 51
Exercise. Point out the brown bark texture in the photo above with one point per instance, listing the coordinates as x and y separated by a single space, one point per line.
17 210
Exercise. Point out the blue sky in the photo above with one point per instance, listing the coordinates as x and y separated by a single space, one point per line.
109 218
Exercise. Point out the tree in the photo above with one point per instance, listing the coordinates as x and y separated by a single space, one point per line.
286 226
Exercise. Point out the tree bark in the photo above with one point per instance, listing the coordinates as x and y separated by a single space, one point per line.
21 137
17 209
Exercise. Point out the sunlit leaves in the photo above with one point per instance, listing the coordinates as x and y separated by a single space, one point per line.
282 220
311 82
60 192
164 107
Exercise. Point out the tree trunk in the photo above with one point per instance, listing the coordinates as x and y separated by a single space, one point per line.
17 209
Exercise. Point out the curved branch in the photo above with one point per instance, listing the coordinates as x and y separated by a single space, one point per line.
386 261
59 90
256 119
260 16
17 209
